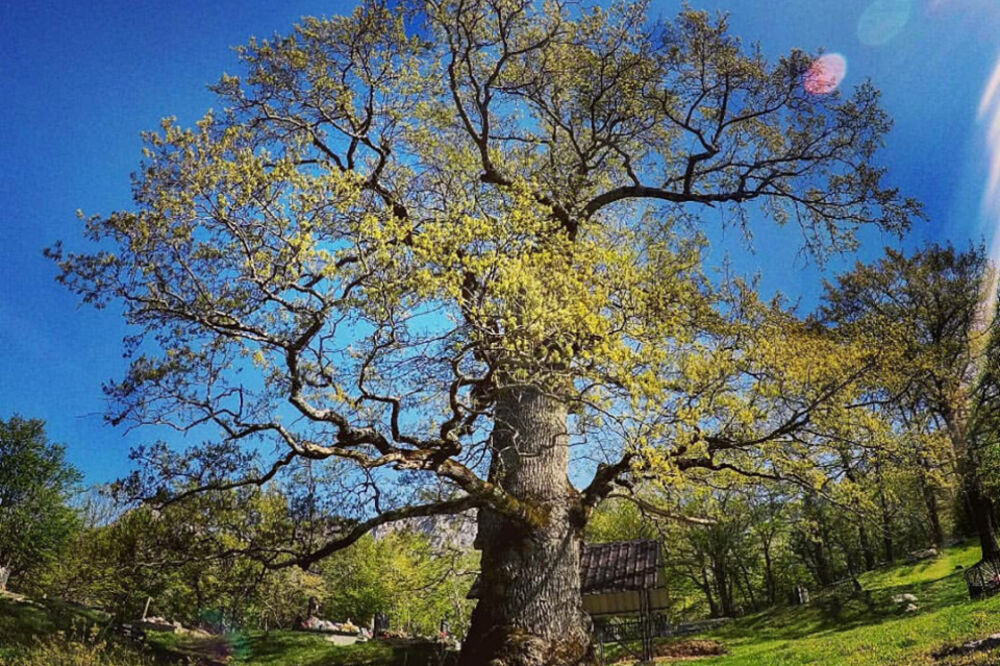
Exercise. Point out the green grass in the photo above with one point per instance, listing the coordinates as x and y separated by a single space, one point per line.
23 625
852 632
294 648
856 633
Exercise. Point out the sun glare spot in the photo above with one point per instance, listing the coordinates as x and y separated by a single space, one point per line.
825 74
990 91
988 113
882 20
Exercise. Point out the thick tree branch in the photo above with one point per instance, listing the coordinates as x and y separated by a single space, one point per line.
362 528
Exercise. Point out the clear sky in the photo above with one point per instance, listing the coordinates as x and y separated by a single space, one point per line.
79 81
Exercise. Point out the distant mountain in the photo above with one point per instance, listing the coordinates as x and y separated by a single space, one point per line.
448 532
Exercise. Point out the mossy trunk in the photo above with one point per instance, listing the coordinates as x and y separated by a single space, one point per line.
530 612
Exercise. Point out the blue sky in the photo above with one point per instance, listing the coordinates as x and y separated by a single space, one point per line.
80 80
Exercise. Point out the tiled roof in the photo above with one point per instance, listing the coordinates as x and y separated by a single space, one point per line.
619 565
613 567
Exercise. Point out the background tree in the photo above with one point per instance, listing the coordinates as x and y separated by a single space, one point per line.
402 575
436 238
36 483
933 310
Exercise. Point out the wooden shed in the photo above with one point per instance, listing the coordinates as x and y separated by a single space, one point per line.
622 578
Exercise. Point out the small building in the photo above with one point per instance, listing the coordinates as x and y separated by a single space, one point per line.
622 578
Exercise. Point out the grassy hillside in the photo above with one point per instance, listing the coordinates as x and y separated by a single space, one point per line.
835 630
832 629
51 633
295 648
24 624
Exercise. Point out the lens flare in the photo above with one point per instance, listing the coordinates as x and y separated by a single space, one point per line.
825 74
882 20
988 114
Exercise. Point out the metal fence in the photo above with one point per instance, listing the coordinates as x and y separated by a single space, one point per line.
634 635
637 635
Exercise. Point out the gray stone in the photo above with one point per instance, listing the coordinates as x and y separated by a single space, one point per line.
919 555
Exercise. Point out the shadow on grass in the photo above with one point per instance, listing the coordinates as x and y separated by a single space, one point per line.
823 616
287 648
22 623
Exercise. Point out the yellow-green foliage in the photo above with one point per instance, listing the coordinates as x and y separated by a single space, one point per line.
399 574
402 218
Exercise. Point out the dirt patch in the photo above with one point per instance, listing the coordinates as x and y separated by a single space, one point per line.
690 649
988 644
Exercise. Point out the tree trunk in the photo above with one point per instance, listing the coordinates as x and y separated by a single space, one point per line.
713 607
887 543
866 547
852 559
927 489
723 587
748 586
530 612
933 515
824 551
980 508
979 504
772 588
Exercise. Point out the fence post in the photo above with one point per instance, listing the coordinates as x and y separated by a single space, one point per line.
647 637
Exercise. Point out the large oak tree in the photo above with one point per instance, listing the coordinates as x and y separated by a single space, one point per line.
449 240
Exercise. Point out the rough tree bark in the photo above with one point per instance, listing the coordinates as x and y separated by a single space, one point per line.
530 611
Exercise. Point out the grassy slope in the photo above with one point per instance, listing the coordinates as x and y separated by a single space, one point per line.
812 634
880 635
292 648
22 625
